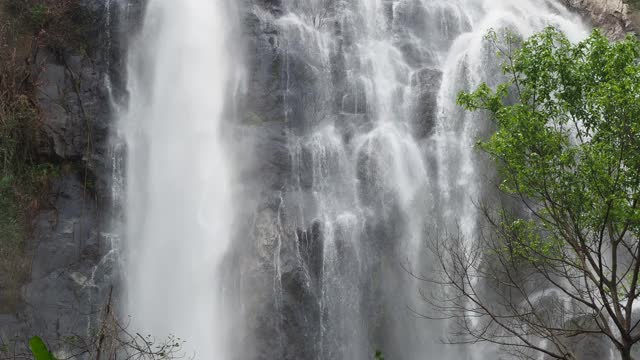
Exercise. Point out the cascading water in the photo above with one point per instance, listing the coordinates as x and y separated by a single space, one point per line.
358 153
380 155
467 63
178 199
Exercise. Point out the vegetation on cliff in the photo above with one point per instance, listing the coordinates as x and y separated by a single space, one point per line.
56 24
26 26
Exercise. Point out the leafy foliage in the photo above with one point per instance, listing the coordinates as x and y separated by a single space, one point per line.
39 349
571 143
567 144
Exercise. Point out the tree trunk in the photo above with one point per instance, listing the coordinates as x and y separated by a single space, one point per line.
625 353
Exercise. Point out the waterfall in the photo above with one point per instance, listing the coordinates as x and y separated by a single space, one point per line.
350 153
466 64
178 200
381 157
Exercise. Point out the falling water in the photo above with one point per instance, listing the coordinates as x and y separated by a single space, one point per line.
178 199
468 62
380 157
359 152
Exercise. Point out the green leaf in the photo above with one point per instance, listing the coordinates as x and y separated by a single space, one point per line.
39 349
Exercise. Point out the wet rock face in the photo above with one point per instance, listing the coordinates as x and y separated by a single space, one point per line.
75 106
73 266
286 252
77 90
426 83
615 17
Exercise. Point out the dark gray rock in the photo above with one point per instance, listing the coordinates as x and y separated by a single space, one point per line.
11 330
426 83
266 92
65 296
66 234
75 106
274 6
72 269
281 248
73 263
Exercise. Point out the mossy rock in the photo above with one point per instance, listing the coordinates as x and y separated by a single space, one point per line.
14 264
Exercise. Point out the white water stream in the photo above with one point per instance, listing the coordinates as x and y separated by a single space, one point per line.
178 200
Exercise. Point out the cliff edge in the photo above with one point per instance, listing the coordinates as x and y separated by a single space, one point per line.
615 17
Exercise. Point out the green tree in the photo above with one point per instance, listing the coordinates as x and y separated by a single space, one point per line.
563 264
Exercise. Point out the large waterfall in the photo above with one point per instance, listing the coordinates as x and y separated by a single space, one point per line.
298 204
178 198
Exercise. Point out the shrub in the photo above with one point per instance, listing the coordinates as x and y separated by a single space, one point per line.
55 24
23 176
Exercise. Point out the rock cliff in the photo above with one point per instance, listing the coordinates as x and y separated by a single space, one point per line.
615 17
73 267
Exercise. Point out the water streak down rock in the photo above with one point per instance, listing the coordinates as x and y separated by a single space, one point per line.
358 149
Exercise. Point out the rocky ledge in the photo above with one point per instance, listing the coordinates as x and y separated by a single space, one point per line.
615 17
